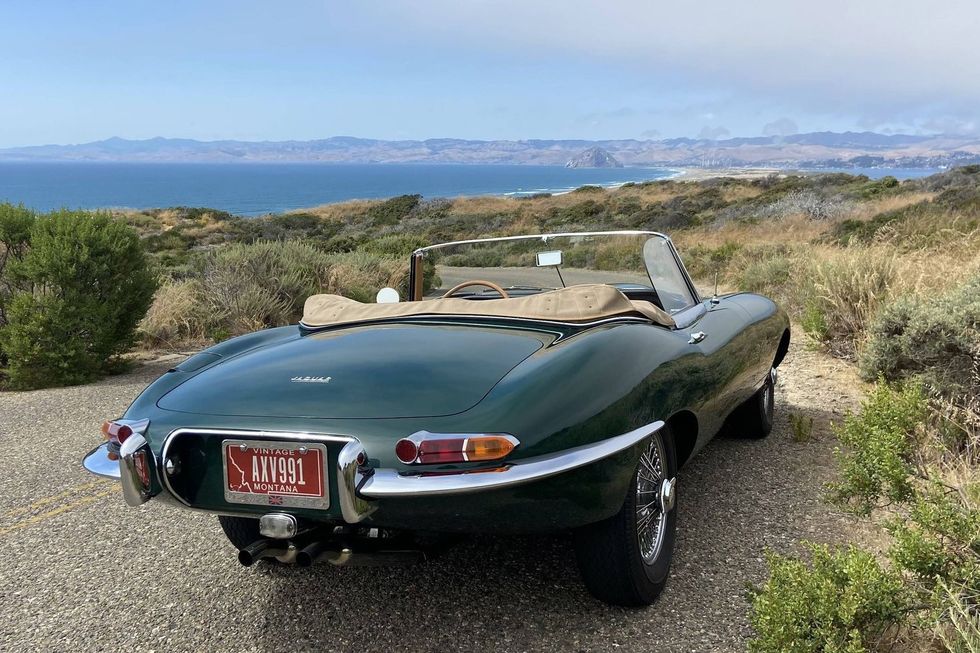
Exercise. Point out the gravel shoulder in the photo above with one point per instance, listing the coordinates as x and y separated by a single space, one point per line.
81 571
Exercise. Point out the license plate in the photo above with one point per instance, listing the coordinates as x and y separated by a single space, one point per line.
278 474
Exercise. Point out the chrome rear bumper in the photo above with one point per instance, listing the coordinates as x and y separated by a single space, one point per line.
387 483
97 461
133 468
359 487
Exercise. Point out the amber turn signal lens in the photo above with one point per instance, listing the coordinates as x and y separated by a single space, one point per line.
487 447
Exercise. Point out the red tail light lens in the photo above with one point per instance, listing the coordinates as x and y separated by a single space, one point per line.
406 451
142 468
116 432
429 448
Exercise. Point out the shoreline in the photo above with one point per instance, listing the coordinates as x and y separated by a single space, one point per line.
701 174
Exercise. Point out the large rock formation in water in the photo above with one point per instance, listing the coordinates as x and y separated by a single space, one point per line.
594 157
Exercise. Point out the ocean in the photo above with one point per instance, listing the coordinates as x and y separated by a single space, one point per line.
257 188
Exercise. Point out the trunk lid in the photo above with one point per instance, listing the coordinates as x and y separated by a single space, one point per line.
382 371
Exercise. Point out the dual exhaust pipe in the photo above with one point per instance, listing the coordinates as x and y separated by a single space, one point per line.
323 551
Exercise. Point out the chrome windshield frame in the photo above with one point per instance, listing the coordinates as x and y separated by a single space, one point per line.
415 276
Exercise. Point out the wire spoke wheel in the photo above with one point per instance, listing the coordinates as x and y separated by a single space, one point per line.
650 513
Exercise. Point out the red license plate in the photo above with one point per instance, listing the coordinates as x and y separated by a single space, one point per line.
275 473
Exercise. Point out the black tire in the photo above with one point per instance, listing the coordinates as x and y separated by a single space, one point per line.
609 552
240 531
753 419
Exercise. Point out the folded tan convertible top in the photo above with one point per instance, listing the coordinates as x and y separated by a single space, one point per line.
583 303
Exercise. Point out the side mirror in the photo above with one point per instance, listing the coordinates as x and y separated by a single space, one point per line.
388 296
548 259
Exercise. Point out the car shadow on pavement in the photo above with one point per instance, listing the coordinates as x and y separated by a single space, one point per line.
739 498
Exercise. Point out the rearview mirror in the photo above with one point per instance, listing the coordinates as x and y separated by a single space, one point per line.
549 259
388 296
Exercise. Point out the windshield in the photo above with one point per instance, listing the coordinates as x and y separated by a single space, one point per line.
642 265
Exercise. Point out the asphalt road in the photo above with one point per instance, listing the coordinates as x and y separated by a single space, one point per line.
81 571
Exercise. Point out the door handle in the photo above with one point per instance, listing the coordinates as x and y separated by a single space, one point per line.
697 337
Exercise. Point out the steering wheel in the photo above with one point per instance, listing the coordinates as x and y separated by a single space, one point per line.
476 282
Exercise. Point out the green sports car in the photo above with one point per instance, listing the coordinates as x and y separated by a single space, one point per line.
529 383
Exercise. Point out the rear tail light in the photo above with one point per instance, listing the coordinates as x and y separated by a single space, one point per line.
118 431
142 467
427 448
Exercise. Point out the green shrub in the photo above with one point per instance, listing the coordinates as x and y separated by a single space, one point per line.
814 322
843 602
935 340
264 284
15 235
90 286
704 263
391 211
931 590
360 275
879 446
395 246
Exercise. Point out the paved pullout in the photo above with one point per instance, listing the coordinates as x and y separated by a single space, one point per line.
81 571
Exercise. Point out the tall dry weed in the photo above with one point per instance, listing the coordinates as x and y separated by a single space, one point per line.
177 317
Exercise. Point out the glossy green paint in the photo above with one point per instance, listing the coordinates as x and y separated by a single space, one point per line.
387 371
551 386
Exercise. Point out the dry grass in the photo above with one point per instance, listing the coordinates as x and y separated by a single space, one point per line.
177 316
340 210
869 208
792 230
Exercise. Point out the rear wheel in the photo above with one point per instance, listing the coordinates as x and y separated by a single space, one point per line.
753 419
240 531
625 559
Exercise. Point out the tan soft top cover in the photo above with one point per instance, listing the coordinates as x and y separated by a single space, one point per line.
583 303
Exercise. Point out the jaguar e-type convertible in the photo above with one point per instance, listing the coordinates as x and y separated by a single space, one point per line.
530 383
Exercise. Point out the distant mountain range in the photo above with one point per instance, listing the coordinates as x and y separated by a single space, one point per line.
811 150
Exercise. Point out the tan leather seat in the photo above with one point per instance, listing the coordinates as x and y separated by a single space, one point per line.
582 303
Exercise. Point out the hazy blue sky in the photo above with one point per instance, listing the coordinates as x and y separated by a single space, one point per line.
80 71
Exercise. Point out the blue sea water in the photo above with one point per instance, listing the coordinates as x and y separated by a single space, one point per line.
257 189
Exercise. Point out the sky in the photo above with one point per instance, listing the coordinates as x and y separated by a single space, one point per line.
73 72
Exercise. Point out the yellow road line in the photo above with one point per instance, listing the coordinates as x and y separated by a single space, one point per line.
53 498
36 519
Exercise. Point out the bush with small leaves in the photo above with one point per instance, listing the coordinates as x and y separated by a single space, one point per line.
89 287
935 340
844 601
251 287
879 444
15 236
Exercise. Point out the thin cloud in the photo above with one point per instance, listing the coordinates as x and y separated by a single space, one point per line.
836 56
709 133
781 127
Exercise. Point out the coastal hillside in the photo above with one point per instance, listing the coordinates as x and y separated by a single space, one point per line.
810 150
